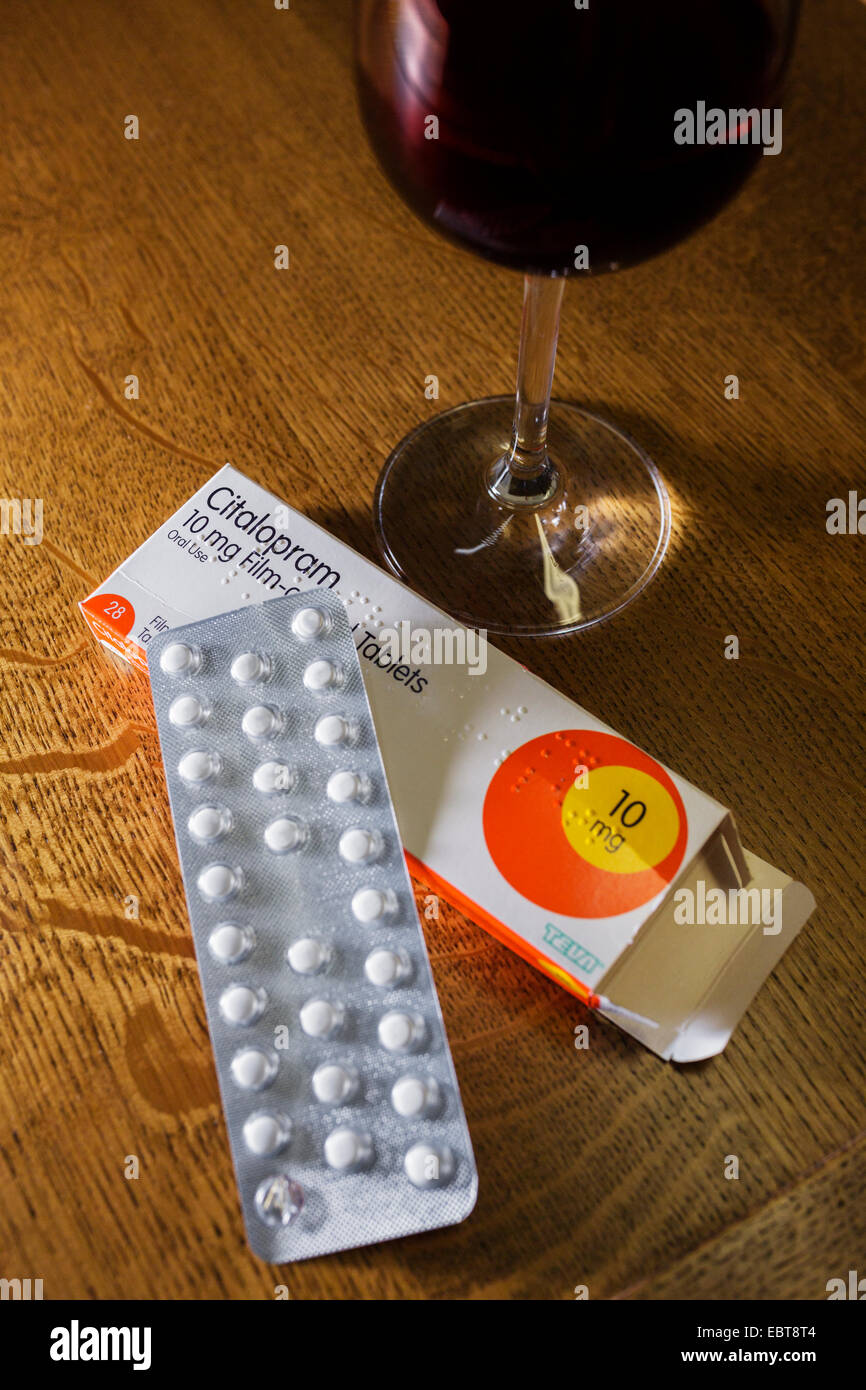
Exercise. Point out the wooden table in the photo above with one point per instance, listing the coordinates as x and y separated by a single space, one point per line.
155 258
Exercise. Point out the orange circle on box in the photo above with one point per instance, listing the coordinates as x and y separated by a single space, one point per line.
112 609
571 831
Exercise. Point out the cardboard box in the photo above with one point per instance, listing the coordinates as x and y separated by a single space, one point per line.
598 865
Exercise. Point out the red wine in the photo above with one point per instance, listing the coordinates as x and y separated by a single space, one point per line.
556 125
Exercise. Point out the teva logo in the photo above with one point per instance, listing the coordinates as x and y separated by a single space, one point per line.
20 1288
76 1343
572 950
855 1288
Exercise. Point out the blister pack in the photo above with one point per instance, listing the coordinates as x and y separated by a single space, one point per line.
340 1096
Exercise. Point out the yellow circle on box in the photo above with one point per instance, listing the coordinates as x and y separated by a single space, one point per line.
623 820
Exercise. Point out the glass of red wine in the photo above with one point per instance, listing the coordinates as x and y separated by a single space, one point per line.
555 138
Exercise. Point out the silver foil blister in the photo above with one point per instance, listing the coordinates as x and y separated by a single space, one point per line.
341 1101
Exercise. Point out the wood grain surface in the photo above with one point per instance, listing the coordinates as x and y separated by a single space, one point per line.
155 257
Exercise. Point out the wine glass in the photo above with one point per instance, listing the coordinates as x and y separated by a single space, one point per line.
554 138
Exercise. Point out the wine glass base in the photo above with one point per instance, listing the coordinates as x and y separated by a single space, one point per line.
563 563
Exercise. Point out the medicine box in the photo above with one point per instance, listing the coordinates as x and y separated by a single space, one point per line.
577 849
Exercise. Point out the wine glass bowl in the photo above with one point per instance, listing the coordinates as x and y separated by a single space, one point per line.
551 140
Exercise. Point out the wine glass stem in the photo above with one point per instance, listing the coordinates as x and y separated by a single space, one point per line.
525 476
